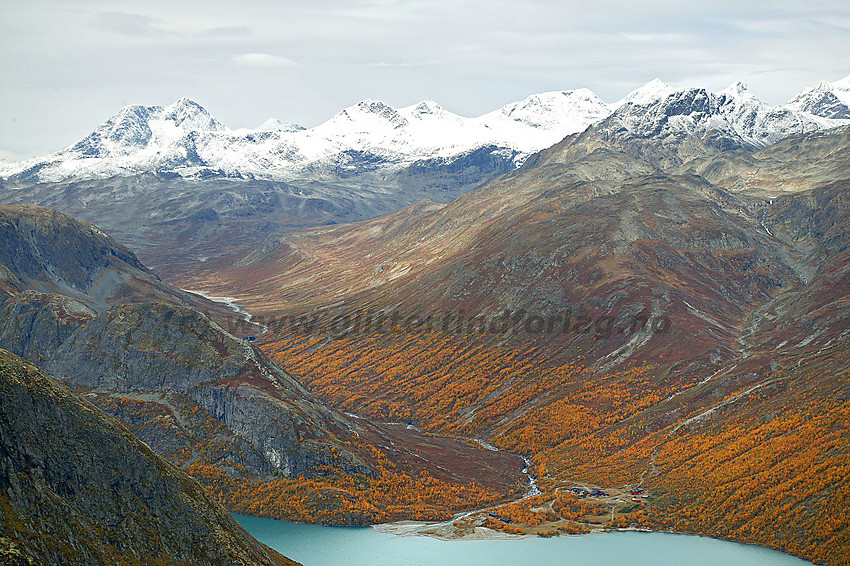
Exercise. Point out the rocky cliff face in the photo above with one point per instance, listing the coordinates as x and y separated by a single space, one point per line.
148 351
34 325
47 251
167 357
77 488
816 223
36 251
794 165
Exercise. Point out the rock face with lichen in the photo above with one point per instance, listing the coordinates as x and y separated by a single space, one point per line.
76 487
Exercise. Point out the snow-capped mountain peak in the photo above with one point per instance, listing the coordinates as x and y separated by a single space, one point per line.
732 118
737 90
544 119
368 108
189 115
428 118
841 89
826 99
426 107
650 92
123 133
575 109
135 127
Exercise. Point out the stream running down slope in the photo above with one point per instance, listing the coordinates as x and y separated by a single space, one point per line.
231 303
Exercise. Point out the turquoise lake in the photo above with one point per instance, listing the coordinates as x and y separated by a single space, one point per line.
313 545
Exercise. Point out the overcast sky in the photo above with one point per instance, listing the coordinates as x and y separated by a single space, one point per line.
68 65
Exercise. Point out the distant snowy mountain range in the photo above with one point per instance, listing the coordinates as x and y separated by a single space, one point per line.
372 137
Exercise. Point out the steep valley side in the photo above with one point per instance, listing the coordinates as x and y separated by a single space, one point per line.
627 329
79 488
212 403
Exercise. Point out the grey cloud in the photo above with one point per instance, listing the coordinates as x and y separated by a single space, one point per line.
131 25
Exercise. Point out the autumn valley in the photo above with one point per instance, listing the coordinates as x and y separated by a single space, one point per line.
643 327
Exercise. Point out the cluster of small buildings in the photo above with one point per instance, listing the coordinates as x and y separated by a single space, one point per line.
636 494
581 492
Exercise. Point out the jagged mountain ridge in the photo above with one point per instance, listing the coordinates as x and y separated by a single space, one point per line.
78 488
676 126
733 113
184 137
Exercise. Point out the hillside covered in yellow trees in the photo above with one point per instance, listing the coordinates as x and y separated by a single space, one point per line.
644 326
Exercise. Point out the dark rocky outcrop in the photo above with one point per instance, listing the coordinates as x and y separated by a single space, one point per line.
77 488
153 348
34 325
47 251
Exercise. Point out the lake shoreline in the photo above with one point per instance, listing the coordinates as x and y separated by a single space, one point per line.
422 528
